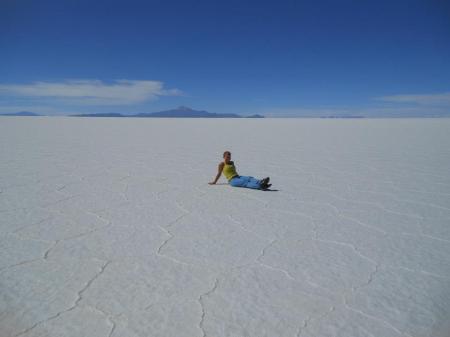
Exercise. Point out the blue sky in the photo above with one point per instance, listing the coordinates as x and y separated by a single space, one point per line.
279 58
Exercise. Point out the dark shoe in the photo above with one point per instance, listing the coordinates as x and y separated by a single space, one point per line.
265 181
265 187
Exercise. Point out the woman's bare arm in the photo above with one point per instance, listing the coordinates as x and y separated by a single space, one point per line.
219 173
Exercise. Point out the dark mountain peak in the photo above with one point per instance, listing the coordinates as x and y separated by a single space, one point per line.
184 108
180 112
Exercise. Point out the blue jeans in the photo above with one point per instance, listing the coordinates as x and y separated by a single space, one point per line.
245 181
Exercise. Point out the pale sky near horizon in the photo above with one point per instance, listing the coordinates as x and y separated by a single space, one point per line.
278 58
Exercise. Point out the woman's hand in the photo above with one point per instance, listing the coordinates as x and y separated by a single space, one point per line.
219 172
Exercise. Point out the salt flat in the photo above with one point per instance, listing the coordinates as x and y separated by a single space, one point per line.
109 228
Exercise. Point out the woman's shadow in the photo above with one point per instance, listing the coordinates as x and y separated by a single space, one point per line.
268 190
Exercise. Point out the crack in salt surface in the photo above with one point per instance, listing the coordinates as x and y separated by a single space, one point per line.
264 202
244 228
56 242
7 210
402 333
416 271
202 192
60 201
181 207
377 205
418 202
425 235
309 319
346 244
165 242
259 262
363 224
288 275
202 305
340 214
430 237
77 301
357 252
31 225
108 316
124 193
302 327
24 238
296 213
159 193
20 263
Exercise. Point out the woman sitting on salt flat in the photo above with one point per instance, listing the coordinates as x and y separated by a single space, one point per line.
229 171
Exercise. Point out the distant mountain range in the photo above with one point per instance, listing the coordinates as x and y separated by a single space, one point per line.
344 116
22 113
180 112
185 112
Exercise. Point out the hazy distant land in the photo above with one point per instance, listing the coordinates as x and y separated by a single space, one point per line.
186 112
21 113
180 112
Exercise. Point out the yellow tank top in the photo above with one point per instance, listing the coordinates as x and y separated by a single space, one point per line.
229 171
